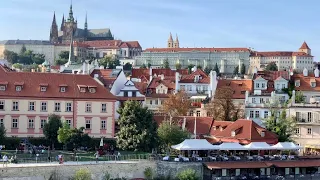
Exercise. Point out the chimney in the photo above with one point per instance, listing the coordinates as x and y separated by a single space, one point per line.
101 67
213 83
177 81
84 68
316 72
305 72
150 73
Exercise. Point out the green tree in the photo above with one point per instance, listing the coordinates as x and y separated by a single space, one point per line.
216 68
178 66
299 97
138 130
188 174
166 64
207 69
243 69
199 67
109 62
127 66
23 50
281 125
272 67
149 65
2 134
190 66
236 70
64 55
50 129
171 134
17 66
78 138
64 133
38 58
143 66
82 174
11 56
60 61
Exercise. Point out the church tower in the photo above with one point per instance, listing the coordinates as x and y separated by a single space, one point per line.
70 26
305 48
86 28
54 30
62 24
170 41
176 42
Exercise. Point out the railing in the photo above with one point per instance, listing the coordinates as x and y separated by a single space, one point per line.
303 120
273 177
304 105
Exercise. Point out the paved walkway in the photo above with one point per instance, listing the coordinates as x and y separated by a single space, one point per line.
67 163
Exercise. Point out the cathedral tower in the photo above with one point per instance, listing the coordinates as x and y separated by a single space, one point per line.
170 41
54 30
70 26
62 24
176 42
86 28
305 48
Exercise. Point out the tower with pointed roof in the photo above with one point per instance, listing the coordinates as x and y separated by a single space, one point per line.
170 41
176 42
62 23
54 30
86 27
70 26
305 48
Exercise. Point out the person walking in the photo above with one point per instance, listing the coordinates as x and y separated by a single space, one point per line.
5 160
97 156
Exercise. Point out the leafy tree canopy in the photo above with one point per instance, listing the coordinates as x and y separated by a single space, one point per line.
50 129
2 134
178 66
127 66
243 69
272 67
109 62
166 64
236 70
216 68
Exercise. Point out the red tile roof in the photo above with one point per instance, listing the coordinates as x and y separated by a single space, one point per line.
31 85
305 82
304 46
272 75
197 49
246 131
155 82
239 86
279 54
138 73
75 44
141 86
204 78
112 44
105 76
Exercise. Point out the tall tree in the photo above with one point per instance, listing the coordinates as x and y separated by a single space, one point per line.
127 66
2 134
166 64
216 68
143 66
222 107
177 104
190 66
50 129
23 50
64 133
11 56
109 62
64 55
199 67
207 70
272 67
299 97
38 58
171 134
236 70
60 61
138 130
243 69
149 65
178 66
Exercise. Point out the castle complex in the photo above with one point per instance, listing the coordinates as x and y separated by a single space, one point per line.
70 25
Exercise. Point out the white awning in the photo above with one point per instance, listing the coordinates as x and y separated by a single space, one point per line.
258 146
231 146
195 144
286 146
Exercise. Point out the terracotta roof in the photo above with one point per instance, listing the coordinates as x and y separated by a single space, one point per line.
204 78
138 73
141 86
247 130
272 75
130 44
112 44
75 44
301 163
304 46
278 54
239 86
31 81
197 49
106 76
237 165
155 82
305 82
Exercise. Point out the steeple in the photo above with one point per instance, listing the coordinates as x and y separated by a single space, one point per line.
176 42
170 41
70 19
305 48
71 51
62 24
86 22
54 30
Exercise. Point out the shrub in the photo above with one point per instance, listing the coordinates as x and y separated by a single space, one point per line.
188 174
106 176
148 173
82 174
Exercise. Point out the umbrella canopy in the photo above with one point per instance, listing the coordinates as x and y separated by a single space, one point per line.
231 146
286 146
258 146
101 142
195 144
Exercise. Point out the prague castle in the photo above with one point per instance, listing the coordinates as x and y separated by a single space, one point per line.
70 25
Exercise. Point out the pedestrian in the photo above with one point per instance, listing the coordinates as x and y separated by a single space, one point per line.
60 158
97 156
5 160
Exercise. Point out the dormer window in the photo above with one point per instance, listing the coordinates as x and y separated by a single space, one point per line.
262 133
196 78
82 88
214 128
297 83
2 88
233 133
313 84
18 88
92 89
43 88
62 89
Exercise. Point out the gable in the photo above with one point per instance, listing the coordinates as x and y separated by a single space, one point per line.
129 83
259 79
161 86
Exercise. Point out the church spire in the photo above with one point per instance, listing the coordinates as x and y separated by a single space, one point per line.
71 13
54 30
86 22
62 23
176 42
170 41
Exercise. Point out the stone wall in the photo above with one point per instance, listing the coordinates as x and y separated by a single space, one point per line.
119 169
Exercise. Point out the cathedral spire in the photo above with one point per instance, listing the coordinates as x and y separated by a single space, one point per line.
71 13
54 30
86 22
62 23
54 19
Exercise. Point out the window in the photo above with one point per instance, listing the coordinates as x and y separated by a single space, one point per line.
257 85
2 88
182 87
297 130
88 107
88 124
251 114
104 107
31 124
266 113
103 124
62 89
68 121
68 107
1 122
134 93
309 116
309 131
257 114
233 133
283 86
150 102
15 123
262 133
18 88
262 85
156 102
92 90
198 114
43 106
125 93
42 123
1 105
82 89
297 83
32 106
189 87
15 106
253 100
313 84
43 88
191 113
57 107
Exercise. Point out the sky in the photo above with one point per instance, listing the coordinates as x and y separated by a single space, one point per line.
265 25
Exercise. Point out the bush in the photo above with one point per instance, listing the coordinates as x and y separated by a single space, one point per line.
148 173
188 174
82 174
